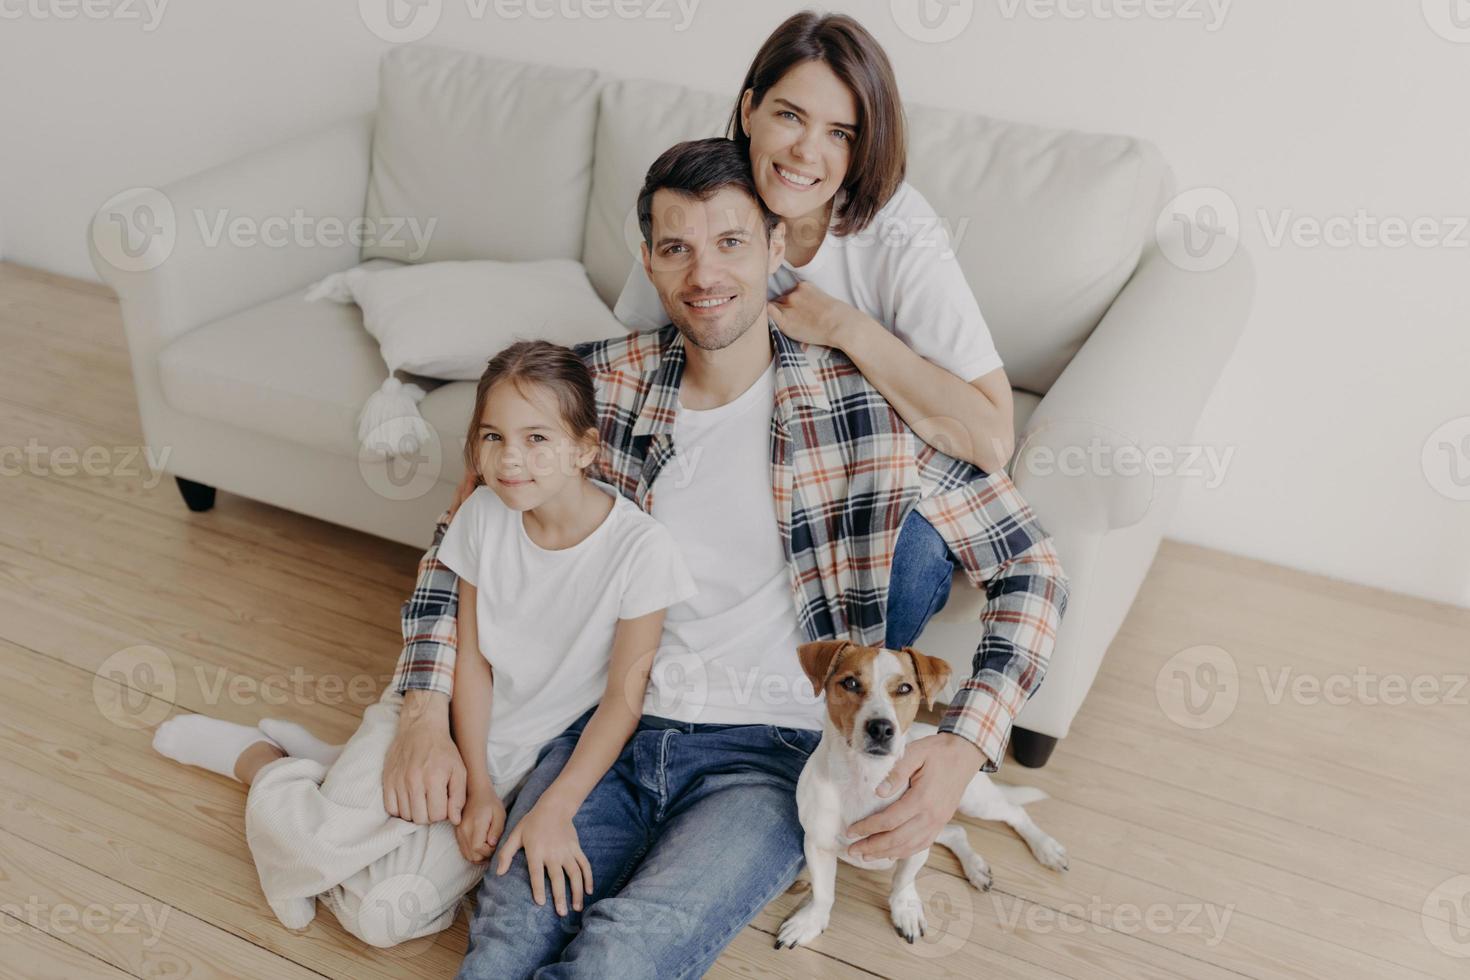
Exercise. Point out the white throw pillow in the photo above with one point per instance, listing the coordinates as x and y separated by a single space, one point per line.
445 320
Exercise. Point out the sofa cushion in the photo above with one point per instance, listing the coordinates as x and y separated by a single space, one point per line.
495 153
1048 224
287 368
637 121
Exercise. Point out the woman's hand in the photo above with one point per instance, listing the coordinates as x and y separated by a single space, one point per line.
479 829
552 848
810 316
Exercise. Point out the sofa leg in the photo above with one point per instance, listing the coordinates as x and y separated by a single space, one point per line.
1031 749
197 496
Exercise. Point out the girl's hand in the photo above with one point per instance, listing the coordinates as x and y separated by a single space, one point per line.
810 316
480 826
552 848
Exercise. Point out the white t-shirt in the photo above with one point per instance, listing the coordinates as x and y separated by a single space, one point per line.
546 618
899 271
728 654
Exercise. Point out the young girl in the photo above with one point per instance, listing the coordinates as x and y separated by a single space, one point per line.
563 587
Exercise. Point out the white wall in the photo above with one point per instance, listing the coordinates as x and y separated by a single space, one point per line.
1313 109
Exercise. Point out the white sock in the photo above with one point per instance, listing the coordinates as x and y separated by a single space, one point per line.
210 743
299 742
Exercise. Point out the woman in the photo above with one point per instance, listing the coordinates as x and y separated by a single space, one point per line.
867 269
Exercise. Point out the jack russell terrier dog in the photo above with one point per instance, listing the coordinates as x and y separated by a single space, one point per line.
872 697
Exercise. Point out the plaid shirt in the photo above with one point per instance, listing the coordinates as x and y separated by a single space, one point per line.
845 472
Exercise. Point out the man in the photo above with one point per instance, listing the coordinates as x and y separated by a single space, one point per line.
786 479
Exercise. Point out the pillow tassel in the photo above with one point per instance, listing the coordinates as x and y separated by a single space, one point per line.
390 423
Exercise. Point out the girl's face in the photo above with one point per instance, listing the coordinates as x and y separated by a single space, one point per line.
801 138
526 455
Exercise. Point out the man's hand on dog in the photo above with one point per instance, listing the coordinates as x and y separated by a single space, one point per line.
936 770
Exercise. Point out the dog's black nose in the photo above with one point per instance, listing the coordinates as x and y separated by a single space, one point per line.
879 729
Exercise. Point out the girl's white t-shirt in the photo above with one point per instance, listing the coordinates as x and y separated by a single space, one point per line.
900 271
546 618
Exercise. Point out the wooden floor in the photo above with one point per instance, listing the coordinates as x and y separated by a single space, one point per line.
1296 837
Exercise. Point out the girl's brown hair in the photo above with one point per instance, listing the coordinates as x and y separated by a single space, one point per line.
880 151
536 362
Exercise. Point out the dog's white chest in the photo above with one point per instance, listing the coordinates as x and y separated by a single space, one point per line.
828 805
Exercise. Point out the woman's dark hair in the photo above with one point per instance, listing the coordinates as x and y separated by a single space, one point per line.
537 362
878 158
700 168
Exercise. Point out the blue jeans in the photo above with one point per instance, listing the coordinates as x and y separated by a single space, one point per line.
690 833
919 581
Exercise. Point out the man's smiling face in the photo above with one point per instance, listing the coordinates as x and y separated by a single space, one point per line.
709 262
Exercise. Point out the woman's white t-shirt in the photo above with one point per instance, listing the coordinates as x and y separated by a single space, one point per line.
900 271
546 618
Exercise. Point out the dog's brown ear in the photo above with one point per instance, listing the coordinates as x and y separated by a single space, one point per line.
933 674
817 659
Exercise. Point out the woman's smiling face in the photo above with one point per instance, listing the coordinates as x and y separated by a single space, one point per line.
801 138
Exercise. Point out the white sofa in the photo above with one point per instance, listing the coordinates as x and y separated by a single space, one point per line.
256 391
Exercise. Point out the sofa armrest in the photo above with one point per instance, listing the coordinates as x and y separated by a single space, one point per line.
233 236
1139 383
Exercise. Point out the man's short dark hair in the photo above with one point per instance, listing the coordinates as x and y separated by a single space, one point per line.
700 169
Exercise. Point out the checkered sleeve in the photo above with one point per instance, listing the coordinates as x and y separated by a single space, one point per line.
1005 551
430 625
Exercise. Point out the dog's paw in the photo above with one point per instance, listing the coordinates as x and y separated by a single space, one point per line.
1051 854
908 917
802 926
977 873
